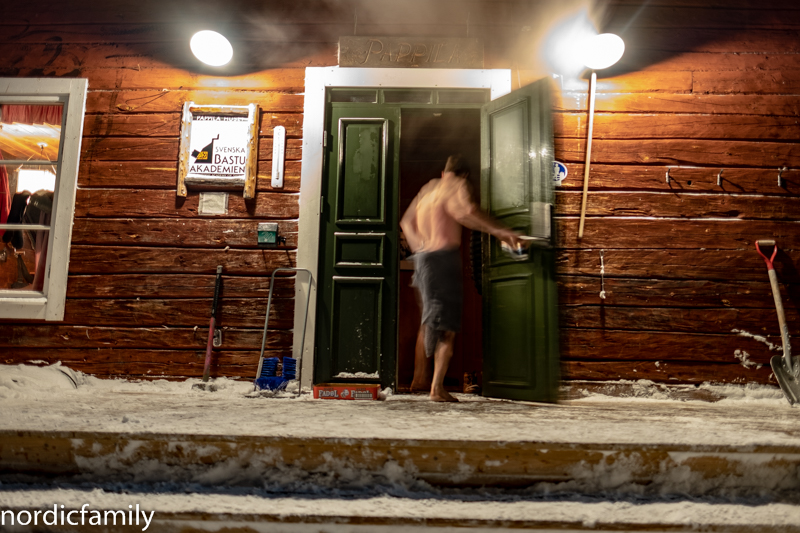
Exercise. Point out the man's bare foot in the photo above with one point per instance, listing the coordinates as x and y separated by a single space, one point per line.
442 396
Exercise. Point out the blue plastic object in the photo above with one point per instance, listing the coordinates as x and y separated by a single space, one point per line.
272 383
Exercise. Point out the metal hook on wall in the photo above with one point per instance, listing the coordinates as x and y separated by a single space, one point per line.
602 276
780 176
719 177
668 176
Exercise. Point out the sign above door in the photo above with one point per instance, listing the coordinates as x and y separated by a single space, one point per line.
410 52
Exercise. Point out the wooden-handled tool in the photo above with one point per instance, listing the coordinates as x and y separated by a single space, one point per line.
211 325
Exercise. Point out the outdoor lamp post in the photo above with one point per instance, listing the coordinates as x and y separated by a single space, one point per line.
599 52
211 48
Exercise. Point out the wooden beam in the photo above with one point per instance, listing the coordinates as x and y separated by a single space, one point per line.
105 203
666 372
232 312
177 232
139 260
683 152
29 337
161 175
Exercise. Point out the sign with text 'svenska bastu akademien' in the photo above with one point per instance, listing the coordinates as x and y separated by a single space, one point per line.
219 148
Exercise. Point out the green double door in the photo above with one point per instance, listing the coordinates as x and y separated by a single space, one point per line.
356 326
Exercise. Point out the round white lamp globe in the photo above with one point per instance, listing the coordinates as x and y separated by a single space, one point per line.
211 48
602 51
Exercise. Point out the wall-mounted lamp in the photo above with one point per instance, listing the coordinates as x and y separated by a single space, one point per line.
599 52
211 48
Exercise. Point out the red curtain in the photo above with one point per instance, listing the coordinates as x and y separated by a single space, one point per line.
5 196
32 114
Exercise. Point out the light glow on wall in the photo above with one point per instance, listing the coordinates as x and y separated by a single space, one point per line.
211 48
574 44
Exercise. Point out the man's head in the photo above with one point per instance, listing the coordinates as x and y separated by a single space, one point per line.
458 165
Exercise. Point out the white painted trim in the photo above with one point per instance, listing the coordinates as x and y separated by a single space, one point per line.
318 79
50 306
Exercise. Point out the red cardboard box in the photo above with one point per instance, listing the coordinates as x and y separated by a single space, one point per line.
346 391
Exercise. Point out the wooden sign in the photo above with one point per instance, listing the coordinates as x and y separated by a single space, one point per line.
410 52
219 148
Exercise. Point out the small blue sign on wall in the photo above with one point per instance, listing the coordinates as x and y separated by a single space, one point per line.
559 172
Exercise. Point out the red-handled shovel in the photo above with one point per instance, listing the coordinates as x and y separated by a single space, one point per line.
207 367
785 369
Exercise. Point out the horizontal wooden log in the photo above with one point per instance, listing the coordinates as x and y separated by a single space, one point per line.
169 124
135 260
674 373
176 286
683 179
651 81
151 125
734 236
677 320
772 82
282 79
722 265
738 4
63 339
172 100
137 364
644 60
680 205
232 312
202 233
704 17
715 40
278 11
682 152
585 290
677 126
605 345
736 104
165 204
163 175
252 56
161 149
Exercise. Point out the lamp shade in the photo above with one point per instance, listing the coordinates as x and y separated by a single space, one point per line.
211 48
602 51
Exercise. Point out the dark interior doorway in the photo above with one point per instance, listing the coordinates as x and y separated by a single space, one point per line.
427 137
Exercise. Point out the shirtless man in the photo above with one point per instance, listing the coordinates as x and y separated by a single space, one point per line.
432 227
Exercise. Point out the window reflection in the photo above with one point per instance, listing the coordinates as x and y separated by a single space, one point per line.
28 133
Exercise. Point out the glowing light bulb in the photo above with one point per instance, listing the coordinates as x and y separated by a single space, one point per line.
602 51
211 48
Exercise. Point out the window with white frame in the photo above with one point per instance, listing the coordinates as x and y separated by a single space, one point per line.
41 125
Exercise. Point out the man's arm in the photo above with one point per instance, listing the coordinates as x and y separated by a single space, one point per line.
476 219
463 208
410 229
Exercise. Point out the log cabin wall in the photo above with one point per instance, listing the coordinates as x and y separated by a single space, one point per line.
704 86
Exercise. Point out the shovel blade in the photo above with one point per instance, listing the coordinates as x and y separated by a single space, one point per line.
789 383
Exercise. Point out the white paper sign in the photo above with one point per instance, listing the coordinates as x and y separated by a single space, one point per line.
218 147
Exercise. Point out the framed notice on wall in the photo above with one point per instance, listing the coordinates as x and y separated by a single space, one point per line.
219 148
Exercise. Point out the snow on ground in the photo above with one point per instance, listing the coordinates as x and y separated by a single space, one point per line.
585 511
55 398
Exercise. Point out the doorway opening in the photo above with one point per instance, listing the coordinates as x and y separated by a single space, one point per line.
427 137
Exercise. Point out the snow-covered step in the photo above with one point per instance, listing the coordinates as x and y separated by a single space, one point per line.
160 511
256 460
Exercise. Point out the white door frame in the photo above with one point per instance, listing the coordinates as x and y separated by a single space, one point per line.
318 79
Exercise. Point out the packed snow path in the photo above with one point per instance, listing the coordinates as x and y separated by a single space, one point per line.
45 399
